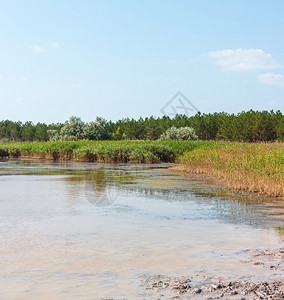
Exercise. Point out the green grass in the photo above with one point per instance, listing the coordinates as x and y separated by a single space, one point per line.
105 151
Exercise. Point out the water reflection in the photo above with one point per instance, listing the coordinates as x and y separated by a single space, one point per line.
203 200
103 185
101 191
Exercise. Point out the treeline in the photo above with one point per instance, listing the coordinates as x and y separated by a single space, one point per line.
251 126
18 131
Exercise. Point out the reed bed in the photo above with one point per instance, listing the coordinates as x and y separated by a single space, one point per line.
248 167
104 151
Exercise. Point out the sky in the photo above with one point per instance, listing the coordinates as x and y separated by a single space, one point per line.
119 59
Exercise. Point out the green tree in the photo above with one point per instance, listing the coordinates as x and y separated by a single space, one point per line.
41 132
73 130
96 130
28 131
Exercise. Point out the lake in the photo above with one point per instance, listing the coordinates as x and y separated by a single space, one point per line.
91 231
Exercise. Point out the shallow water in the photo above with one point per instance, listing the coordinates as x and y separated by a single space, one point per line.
91 231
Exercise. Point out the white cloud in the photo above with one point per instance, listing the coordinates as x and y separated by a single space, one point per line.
23 78
244 60
1 77
37 49
18 100
75 85
55 44
272 79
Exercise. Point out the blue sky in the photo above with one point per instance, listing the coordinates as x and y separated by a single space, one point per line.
120 59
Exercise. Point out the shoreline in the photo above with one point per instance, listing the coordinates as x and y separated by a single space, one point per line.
175 167
223 184
82 160
202 286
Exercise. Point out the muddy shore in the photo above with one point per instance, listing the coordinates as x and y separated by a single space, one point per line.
201 286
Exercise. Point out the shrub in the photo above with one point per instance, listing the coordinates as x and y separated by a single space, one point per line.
73 130
180 134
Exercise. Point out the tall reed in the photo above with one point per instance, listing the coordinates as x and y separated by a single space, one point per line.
103 151
250 167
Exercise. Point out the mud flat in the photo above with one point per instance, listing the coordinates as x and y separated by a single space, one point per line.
200 286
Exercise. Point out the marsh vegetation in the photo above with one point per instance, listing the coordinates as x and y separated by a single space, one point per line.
252 167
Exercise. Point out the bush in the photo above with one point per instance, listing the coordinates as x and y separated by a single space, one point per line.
73 130
180 134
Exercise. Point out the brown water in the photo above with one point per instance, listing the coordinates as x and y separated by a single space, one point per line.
91 231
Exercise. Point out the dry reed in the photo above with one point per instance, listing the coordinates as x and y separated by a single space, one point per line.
247 167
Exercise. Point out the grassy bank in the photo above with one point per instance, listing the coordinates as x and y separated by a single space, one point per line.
250 167
105 151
